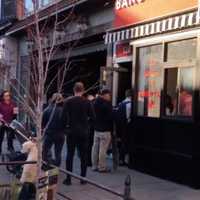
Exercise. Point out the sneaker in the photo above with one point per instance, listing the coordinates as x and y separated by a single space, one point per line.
83 182
95 169
123 164
106 170
67 182
11 150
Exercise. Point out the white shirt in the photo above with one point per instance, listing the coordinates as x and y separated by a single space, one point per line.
128 108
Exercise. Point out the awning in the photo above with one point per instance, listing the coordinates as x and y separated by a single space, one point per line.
168 24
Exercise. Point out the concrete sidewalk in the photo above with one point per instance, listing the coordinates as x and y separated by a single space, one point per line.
144 187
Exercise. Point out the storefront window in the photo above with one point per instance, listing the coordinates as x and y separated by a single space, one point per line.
179 89
173 66
149 81
185 92
171 82
184 50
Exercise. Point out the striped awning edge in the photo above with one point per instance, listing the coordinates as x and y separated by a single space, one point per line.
160 26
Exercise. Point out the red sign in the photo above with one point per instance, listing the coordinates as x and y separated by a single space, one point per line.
123 50
120 4
147 93
128 12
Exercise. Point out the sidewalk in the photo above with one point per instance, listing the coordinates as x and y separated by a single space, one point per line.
144 187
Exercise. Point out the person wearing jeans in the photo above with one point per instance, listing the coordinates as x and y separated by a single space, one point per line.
103 127
101 144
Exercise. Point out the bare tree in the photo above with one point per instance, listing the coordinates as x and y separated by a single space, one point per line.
44 41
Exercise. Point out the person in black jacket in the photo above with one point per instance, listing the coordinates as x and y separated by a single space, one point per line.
103 127
76 115
53 129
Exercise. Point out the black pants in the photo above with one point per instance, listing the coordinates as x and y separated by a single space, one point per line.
80 142
10 137
124 146
28 192
90 145
58 141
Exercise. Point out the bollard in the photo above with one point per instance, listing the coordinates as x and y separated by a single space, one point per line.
127 189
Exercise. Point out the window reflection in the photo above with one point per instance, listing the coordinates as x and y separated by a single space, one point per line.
179 88
185 95
150 81
175 50
171 91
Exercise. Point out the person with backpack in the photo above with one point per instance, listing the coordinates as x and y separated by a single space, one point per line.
123 123
53 129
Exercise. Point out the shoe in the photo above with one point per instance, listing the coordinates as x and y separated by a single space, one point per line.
83 182
95 170
123 164
11 150
67 182
107 170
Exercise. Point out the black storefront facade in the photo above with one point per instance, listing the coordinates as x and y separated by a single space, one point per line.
165 76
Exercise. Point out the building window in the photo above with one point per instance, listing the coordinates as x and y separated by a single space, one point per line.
179 91
184 50
166 70
29 7
149 81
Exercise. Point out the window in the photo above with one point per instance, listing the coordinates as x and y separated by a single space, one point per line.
149 81
179 91
45 2
185 91
29 5
184 50
167 67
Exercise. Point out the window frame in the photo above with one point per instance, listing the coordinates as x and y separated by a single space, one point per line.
191 63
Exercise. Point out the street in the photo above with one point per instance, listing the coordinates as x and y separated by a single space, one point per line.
144 187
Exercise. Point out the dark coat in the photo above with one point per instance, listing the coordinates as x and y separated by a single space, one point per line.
52 119
104 115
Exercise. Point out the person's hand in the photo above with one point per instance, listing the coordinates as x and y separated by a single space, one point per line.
2 121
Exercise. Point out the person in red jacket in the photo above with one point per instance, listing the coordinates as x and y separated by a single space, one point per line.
8 112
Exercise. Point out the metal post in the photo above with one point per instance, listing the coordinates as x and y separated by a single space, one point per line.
127 189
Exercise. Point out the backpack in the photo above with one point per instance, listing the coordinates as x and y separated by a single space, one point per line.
121 112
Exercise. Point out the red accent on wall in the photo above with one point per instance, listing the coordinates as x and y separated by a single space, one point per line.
150 9
123 50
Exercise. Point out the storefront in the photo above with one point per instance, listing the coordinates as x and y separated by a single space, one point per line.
164 38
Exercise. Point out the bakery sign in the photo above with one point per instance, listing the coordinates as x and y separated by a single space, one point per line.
129 12
121 4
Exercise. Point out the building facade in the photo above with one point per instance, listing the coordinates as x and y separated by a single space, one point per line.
156 43
92 20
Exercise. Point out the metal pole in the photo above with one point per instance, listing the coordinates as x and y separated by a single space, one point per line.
90 182
18 163
127 189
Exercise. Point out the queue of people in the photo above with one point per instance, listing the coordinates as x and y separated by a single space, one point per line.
85 122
